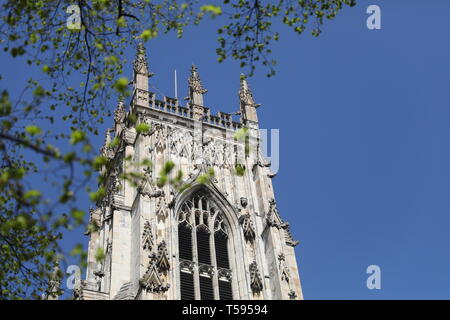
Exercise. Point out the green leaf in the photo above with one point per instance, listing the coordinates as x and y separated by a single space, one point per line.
240 170
33 130
121 85
97 195
99 161
30 194
241 134
78 215
214 10
77 136
168 166
148 34
99 254
142 128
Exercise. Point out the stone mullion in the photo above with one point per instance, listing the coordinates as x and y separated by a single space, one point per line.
195 256
215 278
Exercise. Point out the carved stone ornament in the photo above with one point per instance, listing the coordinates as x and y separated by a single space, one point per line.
145 186
108 248
140 63
284 270
206 269
161 206
54 285
247 227
255 278
114 185
288 235
147 237
94 220
194 81
106 150
187 265
245 95
181 143
214 153
119 113
292 295
152 281
272 216
224 274
163 263
159 137
78 290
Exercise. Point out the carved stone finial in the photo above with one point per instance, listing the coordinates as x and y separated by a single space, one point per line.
196 92
255 278
140 63
119 113
245 94
53 290
163 263
147 237
272 216
146 186
195 84
78 290
152 281
247 103
106 149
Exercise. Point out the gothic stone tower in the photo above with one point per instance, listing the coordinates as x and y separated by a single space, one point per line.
223 239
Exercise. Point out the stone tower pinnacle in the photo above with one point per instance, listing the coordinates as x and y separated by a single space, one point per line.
196 90
141 70
141 75
247 103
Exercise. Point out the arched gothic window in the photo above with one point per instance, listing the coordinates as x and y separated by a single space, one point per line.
203 244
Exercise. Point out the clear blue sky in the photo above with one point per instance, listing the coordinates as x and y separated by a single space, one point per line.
364 120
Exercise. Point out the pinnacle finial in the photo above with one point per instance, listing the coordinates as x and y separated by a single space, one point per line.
248 105
140 62
119 113
141 48
245 94
195 84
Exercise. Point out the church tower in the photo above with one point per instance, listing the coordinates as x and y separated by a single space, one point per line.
201 222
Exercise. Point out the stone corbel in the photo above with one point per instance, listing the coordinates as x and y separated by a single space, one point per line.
224 273
187 265
206 269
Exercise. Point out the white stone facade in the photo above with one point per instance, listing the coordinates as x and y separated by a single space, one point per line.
139 224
